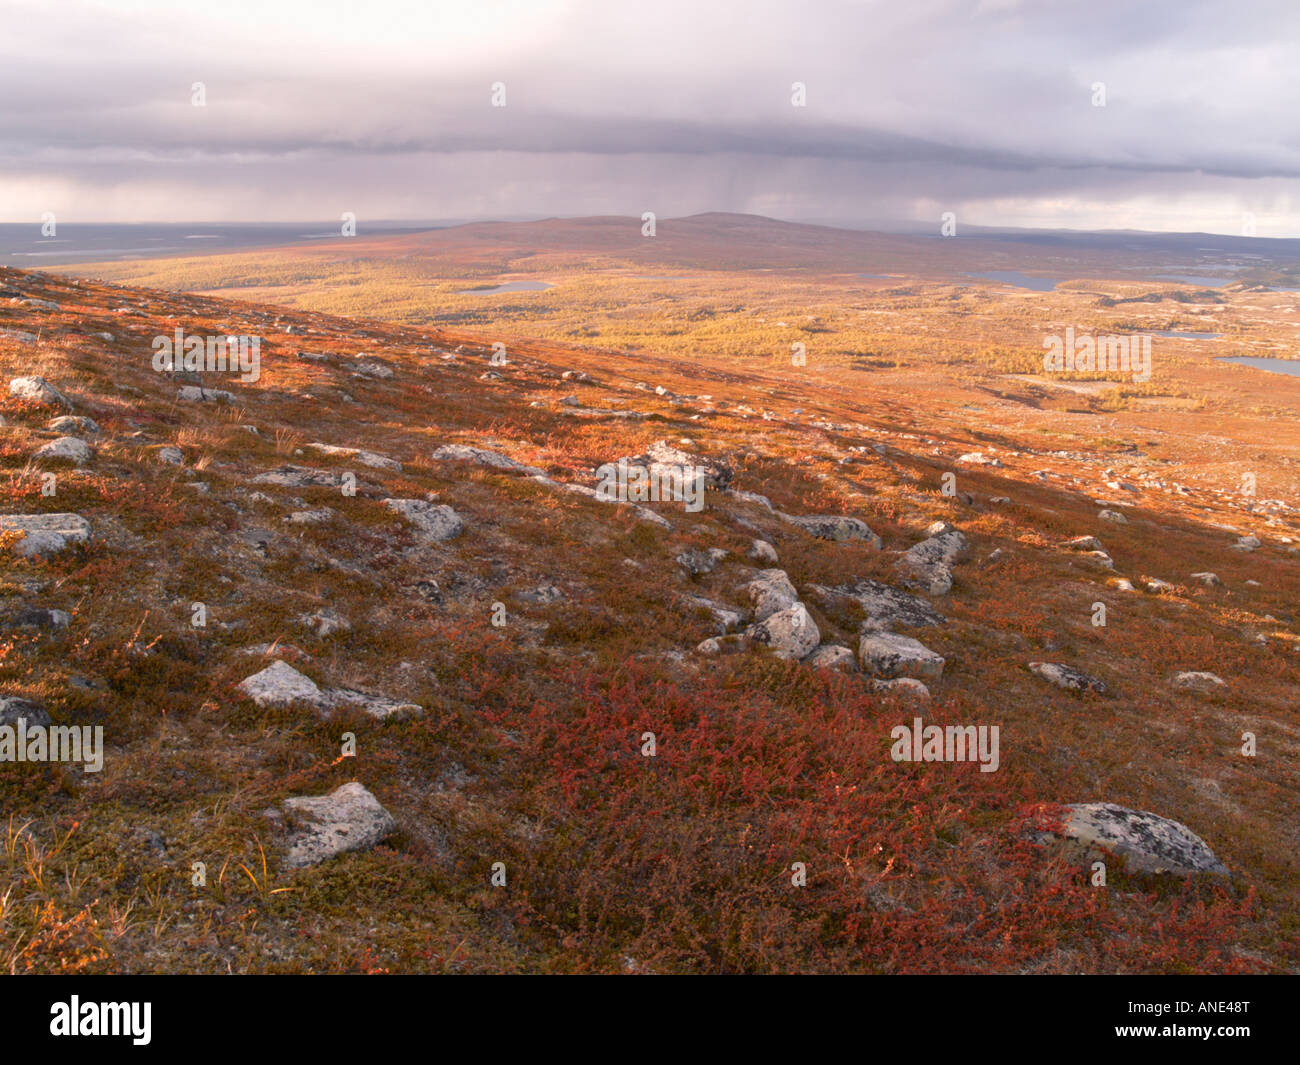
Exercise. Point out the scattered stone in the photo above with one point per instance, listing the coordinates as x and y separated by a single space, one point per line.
697 563
927 565
310 517
348 819
31 617
833 656
978 458
1083 543
171 456
751 497
1198 681
12 709
1067 677
904 685
887 654
834 527
325 623
434 521
46 534
366 458
37 390
790 633
483 457
279 684
670 465
1158 586
762 551
65 449
886 607
1246 543
543 593
770 592
195 394
1210 580
299 477
720 645
1113 516
72 423
1148 842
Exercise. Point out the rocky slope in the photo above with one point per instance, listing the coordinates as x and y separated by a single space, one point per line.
387 682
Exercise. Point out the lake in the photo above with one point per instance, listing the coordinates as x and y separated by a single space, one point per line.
1286 366
1015 277
509 286
1185 335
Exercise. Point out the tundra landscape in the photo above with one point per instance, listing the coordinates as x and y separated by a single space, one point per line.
554 487
386 638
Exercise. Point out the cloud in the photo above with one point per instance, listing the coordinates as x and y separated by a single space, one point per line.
985 103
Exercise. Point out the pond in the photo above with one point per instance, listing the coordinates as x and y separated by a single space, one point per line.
1287 366
509 286
1015 277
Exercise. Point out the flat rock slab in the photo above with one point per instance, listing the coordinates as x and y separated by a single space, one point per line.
279 684
482 457
367 458
887 607
1067 677
299 477
1148 842
887 654
833 527
195 394
347 819
434 521
46 534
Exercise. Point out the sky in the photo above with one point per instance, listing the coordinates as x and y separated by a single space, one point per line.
911 108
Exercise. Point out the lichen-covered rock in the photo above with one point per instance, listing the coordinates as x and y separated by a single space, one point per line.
348 819
1198 681
908 686
762 551
1148 842
674 466
1067 677
697 562
834 527
195 394
481 457
886 607
279 684
927 565
790 633
37 390
366 458
46 534
72 423
434 521
833 656
771 591
65 449
887 654
289 476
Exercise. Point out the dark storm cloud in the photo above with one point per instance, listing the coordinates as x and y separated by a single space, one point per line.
972 101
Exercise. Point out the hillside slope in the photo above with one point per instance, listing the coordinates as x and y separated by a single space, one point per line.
558 770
